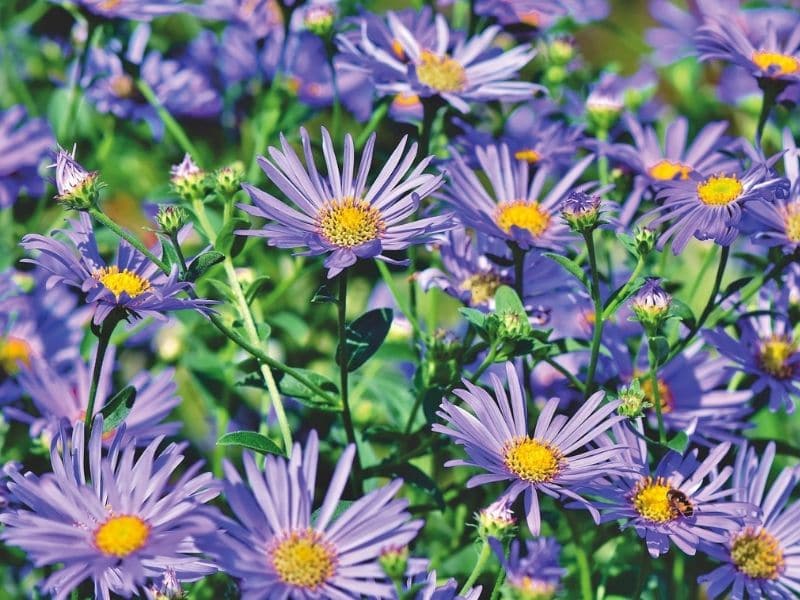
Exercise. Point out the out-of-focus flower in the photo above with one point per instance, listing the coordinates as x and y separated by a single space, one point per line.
261 17
133 284
135 10
537 575
24 143
426 588
340 214
273 545
187 179
758 557
550 461
465 72
119 525
533 13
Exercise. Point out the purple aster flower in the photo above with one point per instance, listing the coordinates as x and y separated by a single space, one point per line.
534 13
277 550
758 559
459 72
673 503
119 525
767 348
63 397
181 88
710 207
551 461
23 144
512 208
261 17
429 589
538 574
135 10
340 214
133 284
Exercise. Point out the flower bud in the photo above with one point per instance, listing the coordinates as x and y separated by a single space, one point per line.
651 304
509 326
188 180
581 211
603 110
170 588
394 561
78 188
496 520
441 366
170 219
645 240
560 51
634 400
319 19
228 180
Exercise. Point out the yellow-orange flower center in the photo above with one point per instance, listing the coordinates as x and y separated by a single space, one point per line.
651 501
118 282
122 86
757 554
776 64
13 351
665 170
529 155
441 73
664 392
350 222
719 190
303 559
121 535
791 220
525 215
406 100
531 18
398 50
533 460
481 286
774 356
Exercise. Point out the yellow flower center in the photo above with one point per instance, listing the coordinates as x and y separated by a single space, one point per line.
122 86
531 18
121 536
776 64
397 50
406 100
529 155
303 559
118 282
533 589
14 351
525 215
532 460
719 190
792 221
441 73
481 287
757 554
349 222
774 354
666 170
651 502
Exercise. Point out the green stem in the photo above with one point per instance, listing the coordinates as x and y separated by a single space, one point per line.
181 258
375 120
169 121
405 308
65 127
770 90
617 299
678 575
498 584
267 122
414 410
599 320
644 573
103 339
602 159
653 362
480 564
343 376
584 568
576 383
485 364
134 241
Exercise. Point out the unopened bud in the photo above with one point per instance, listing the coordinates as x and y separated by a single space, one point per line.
228 180
188 180
634 400
651 304
394 562
319 19
581 211
78 188
645 240
561 51
170 219
603 110
496 520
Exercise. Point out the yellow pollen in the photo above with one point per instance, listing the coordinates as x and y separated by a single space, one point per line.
525 215
303 559
441 73
529 155
481 287
775 64
719 190
757 554
532 460
349 222
397 50
651 502
792 221
666 170
118 282
121 536
774 354
13 351
406 100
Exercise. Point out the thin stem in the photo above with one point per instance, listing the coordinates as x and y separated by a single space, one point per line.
598 312
770 90
343 376
103 339
181 258
614 302
498 584
678 577
414 410
602 159
405 308
480 564
134 241
65 127
518 255
653 373
485 363
377 116
169 121
584 568
267 122
644 573
576 383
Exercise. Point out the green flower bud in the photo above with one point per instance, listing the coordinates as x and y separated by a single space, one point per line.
170 219
78 188
634 400
581 211
496 520
228 180
394 562
441 366
319 19
651 304
188 180
561 51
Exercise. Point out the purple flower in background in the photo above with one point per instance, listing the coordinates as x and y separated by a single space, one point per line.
340 214
133 284
534 13
459 73
275 547
760 557
260 17
182 89
513 207
495 436
24 143
767 348
135 10
673 503
447 591
538 574
119 525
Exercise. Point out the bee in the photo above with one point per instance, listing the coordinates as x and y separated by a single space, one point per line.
679 503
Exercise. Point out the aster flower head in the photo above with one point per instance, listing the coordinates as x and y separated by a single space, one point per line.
340 214
132 285
275 547
513 207
24 142
77 188
552 460
758 558
426 588
533 13
135 10
120 525
582 211
458 72
537 575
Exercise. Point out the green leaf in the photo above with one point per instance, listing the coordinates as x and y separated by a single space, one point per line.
341 507
506 300
365 335
203 263
222 287
679 443
682 310
255 288
629 243
118 408
415 476
474 316
251 440
289 386
324 294
659 346
735 286
227 241
168 250
571 266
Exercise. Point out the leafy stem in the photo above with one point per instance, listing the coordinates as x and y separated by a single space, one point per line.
480 564
103 337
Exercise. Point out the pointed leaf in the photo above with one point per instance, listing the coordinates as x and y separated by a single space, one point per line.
255 288
679 443
571 266
118 408
506 300
251 440
365 335
203 263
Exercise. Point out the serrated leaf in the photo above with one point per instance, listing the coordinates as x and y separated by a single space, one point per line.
255 288
679 443
203 263
570 266
118 408
365 335
251 440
